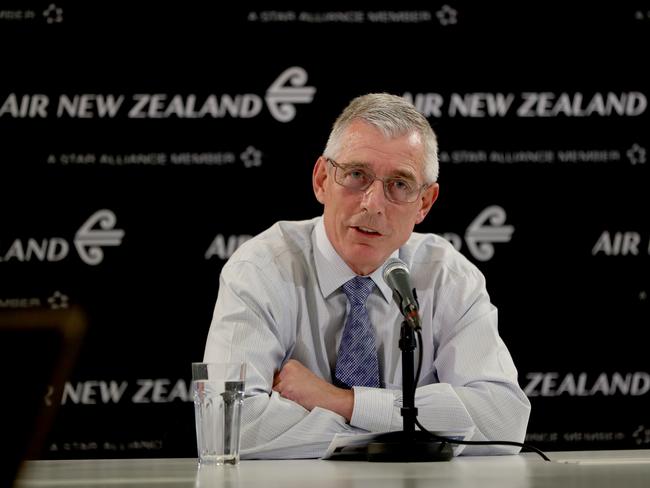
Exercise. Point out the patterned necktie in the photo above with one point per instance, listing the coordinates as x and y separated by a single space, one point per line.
357 363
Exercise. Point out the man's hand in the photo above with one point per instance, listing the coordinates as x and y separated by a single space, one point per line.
297 383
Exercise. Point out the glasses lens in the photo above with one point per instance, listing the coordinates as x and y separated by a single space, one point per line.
400 190
353 178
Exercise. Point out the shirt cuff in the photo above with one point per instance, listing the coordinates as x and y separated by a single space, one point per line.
373 409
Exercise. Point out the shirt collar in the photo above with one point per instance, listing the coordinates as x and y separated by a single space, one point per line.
333 272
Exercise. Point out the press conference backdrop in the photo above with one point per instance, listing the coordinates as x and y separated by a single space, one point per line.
141 145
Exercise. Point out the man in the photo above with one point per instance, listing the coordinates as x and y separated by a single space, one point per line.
321 363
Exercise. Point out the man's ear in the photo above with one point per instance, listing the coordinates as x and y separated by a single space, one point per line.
427 200
319 178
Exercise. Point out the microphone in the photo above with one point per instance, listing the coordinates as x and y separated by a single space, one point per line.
396 275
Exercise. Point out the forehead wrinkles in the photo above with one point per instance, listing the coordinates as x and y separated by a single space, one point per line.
361 143
389 147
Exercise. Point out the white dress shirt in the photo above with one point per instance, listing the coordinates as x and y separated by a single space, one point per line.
280 298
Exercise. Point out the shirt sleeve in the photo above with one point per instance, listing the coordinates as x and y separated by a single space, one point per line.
246 327
474 383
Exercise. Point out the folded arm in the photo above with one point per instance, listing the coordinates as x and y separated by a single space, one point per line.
300 422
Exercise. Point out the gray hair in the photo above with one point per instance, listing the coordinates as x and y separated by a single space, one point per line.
394 116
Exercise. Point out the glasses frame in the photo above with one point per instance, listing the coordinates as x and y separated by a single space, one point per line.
384 181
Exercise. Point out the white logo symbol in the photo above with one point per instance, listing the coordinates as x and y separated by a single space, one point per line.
641 435
480 238
53 14
58 300
447 15
251 157
89 241
281 99
636 154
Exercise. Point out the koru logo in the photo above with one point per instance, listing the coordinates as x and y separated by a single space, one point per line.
483 232
487 229
89 241
281 98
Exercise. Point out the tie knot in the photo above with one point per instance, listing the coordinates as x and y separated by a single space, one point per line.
358 289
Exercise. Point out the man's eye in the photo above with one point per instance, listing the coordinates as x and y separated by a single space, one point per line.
402 185
356 174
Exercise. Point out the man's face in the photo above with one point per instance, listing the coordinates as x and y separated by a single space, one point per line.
363 226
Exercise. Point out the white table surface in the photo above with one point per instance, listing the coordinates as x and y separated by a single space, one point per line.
590 469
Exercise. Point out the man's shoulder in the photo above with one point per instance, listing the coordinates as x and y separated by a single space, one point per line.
429 251
284 239
430 246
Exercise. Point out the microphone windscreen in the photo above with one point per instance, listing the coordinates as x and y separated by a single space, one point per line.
391 265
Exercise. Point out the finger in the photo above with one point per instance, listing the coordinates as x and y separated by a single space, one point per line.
292 365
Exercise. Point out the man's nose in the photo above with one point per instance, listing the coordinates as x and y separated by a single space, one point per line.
374 199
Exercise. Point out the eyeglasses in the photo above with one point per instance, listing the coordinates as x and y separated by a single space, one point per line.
396 189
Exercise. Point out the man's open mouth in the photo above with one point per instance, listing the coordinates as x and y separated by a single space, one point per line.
367 231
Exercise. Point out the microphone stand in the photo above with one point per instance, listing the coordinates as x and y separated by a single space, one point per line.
408 445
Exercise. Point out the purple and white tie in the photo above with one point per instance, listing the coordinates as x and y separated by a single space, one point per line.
357 363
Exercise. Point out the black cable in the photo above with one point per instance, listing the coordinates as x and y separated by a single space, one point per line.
419 370
480 443
468 443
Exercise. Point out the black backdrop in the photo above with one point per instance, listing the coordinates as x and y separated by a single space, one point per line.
140 145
